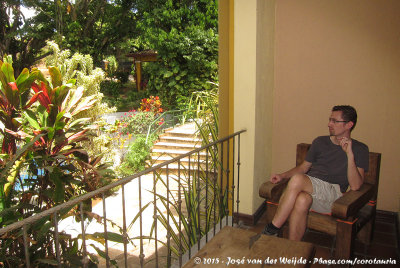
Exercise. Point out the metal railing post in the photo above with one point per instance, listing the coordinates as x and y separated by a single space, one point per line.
105 231
124 233
57 241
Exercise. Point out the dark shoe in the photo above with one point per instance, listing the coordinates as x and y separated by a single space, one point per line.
271 230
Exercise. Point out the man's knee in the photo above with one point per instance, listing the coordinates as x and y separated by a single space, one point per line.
299 182
303 202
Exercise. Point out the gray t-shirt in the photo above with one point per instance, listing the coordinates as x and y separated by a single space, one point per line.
329 161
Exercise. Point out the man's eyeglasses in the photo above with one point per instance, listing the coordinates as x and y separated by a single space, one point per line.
333 120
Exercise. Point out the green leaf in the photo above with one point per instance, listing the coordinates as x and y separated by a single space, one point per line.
20 152
103 254
50 133
56 78
8 72
31 117
43 115
44 229
71 82
111 236
59 116
74 249
58 194
168 74
24 75
60 93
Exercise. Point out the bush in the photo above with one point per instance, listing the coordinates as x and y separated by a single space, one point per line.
111 88
137 155
122 76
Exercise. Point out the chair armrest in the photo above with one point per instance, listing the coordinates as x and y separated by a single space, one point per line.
272 191
352 201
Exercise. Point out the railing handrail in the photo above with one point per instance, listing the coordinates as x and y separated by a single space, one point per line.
103 189
157 120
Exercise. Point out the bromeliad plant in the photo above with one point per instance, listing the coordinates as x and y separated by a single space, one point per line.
46 166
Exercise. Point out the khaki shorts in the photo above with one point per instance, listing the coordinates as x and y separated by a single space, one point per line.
323 195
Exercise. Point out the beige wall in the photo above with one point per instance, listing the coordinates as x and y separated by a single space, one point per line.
284 64
339 52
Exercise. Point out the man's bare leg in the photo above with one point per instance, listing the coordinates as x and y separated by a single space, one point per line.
298 183
298 217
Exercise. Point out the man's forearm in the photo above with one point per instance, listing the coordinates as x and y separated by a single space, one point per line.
353 174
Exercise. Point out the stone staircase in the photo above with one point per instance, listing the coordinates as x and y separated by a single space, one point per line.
179 141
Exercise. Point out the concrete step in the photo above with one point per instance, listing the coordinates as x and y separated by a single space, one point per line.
176 142
175 139
176 146
174 153
184 172
194 161
178 134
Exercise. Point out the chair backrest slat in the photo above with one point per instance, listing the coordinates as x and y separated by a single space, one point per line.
302 149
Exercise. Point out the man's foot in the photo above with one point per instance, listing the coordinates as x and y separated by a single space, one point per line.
271 230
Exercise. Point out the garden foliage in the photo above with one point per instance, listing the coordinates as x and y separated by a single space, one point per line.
81 68
184 34
44 166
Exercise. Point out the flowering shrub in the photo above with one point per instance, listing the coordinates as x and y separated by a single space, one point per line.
135 122
151 104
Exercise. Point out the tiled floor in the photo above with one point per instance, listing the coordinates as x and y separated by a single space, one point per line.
384 246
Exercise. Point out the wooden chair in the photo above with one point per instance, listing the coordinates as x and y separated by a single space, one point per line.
353 212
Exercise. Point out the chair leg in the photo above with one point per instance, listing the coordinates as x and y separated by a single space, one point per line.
366 233
344 240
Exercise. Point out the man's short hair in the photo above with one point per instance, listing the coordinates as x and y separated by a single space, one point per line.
348 113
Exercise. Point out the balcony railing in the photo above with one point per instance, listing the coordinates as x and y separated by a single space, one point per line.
182 207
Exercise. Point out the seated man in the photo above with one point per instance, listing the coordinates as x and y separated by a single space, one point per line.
332 164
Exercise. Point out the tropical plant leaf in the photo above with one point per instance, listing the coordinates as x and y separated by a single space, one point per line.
8 71
103 254
55 75
58 193
31 117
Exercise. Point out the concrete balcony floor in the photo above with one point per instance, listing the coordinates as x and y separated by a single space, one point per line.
384 246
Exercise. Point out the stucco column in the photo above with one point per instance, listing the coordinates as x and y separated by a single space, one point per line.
253 88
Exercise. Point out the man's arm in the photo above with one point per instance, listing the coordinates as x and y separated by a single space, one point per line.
302 169
355 175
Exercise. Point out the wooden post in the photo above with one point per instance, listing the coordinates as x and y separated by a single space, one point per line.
138 69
